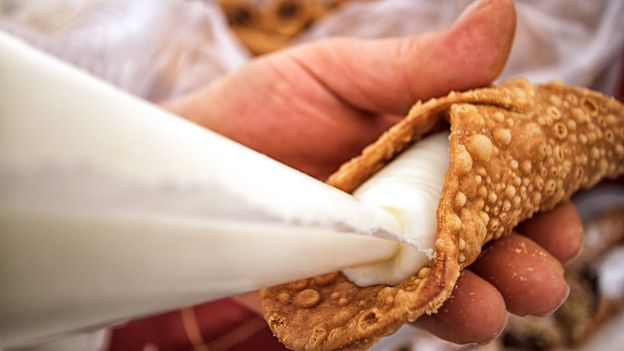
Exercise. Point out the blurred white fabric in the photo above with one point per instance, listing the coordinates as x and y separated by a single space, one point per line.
155 50
163 49
577 42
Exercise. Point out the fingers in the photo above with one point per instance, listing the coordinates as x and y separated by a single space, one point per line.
471 53
529 278
388 76
474 313
559 231
520 275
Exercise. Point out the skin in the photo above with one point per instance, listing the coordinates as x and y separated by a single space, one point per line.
315 106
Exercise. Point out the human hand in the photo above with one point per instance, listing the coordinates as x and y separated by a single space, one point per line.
315 106
521 273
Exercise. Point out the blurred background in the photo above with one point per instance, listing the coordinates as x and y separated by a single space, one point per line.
159 50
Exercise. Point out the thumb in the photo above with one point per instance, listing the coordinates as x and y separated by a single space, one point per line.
389 75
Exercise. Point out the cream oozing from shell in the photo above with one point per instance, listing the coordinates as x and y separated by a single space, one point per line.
409 188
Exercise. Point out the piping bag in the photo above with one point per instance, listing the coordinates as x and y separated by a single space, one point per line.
111 208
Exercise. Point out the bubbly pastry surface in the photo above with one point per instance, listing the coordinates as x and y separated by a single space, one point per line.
409 188
515 149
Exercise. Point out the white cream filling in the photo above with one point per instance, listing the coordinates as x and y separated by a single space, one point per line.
408 188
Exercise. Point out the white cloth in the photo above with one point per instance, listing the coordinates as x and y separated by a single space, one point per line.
163 49
155 50
577 42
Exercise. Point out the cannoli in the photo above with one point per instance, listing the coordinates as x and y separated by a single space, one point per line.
247 21
514 149
267 26
288 17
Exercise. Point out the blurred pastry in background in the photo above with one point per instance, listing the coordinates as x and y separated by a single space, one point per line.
266 26
596 280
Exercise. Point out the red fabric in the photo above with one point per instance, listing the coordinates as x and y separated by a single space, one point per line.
224 326
164 331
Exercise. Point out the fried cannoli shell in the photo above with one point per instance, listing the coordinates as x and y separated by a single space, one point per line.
515 149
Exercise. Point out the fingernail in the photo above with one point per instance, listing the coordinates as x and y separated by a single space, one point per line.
497 334
503 328
472 8
565 298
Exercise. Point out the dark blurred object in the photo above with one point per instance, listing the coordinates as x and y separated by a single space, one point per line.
531 333
596 283
266 26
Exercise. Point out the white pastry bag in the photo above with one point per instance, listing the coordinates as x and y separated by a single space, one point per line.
111 208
